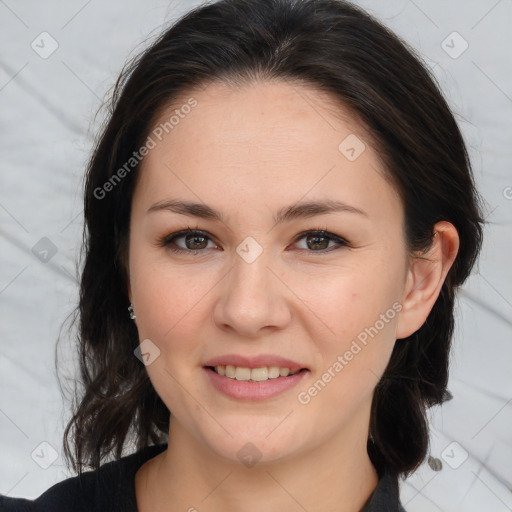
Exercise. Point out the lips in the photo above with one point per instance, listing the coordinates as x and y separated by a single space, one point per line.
250 390
262 360
254 378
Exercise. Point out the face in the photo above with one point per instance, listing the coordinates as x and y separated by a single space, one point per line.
268 287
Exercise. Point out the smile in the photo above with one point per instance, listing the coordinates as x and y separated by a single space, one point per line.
253 374
254 384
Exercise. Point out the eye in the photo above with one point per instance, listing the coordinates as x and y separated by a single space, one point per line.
319 240
195 240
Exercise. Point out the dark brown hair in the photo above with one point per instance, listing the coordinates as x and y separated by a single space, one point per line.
336 48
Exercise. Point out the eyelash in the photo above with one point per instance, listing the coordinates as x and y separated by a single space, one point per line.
168 240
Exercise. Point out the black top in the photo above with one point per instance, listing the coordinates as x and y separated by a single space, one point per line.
111 488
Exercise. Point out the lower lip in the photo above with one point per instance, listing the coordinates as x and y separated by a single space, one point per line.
246 390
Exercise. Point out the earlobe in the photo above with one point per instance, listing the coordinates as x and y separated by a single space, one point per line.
425 279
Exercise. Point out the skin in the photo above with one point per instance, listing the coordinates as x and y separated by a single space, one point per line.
248 152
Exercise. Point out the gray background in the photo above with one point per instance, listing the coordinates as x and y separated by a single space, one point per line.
47 121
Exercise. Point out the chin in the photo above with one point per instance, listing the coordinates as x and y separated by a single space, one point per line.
254 442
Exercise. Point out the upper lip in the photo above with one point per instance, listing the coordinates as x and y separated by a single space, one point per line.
254 361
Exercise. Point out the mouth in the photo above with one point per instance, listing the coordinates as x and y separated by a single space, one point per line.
260 374
253 377
255 382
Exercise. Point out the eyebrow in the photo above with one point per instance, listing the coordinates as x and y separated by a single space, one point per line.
285 214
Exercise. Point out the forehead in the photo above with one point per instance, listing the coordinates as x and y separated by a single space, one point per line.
267 141
259 116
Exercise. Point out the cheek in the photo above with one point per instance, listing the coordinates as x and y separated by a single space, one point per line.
353 363
168 309
346 301
167 305
165 296
353 326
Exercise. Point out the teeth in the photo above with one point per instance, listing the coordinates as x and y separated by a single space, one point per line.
259 374
273 372
242 373
254 374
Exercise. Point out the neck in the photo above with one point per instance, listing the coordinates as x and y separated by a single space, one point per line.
335 475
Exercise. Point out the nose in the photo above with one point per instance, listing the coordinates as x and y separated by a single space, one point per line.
253 300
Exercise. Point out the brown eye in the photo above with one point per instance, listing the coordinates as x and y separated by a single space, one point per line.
319 240
193 241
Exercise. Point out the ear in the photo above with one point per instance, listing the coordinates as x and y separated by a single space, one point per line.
425 278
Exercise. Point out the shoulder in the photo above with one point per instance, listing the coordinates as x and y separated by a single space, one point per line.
109 488
386 497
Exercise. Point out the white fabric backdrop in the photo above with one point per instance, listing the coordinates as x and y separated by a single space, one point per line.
47 107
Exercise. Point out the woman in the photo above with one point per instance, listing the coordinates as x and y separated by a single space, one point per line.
279 212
